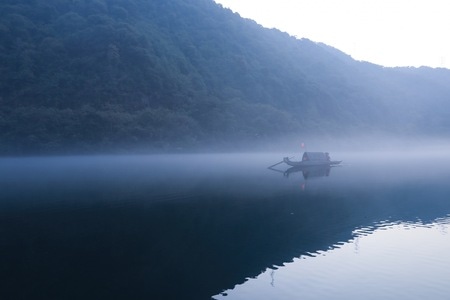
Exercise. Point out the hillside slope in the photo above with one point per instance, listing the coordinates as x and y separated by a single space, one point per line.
106 75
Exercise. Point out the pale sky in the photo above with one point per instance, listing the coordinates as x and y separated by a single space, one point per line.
385 32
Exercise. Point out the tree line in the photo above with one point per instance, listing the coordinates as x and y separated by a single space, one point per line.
106 75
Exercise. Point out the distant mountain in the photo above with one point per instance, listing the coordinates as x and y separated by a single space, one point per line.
121 75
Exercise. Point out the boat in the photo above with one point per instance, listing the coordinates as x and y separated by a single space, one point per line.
312 159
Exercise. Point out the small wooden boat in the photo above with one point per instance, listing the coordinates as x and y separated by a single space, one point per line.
312 159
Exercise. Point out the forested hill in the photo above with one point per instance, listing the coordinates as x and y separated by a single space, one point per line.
102 75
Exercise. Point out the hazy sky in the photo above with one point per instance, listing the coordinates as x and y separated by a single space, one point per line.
386 32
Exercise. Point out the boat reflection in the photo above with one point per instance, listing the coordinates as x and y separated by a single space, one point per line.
309 172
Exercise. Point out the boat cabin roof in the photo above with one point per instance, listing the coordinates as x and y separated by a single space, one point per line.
316 156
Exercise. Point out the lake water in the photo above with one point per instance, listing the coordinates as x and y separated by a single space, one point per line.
224 226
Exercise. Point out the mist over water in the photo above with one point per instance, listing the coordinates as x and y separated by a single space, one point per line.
197 226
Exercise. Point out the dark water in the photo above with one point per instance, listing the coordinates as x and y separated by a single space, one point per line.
225 227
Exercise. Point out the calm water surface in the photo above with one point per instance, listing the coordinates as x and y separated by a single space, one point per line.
225 227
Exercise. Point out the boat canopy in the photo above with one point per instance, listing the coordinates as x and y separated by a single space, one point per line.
316 156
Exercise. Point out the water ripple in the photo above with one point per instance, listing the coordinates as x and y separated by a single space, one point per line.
385 260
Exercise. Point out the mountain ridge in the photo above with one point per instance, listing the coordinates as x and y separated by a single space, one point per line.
99 76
